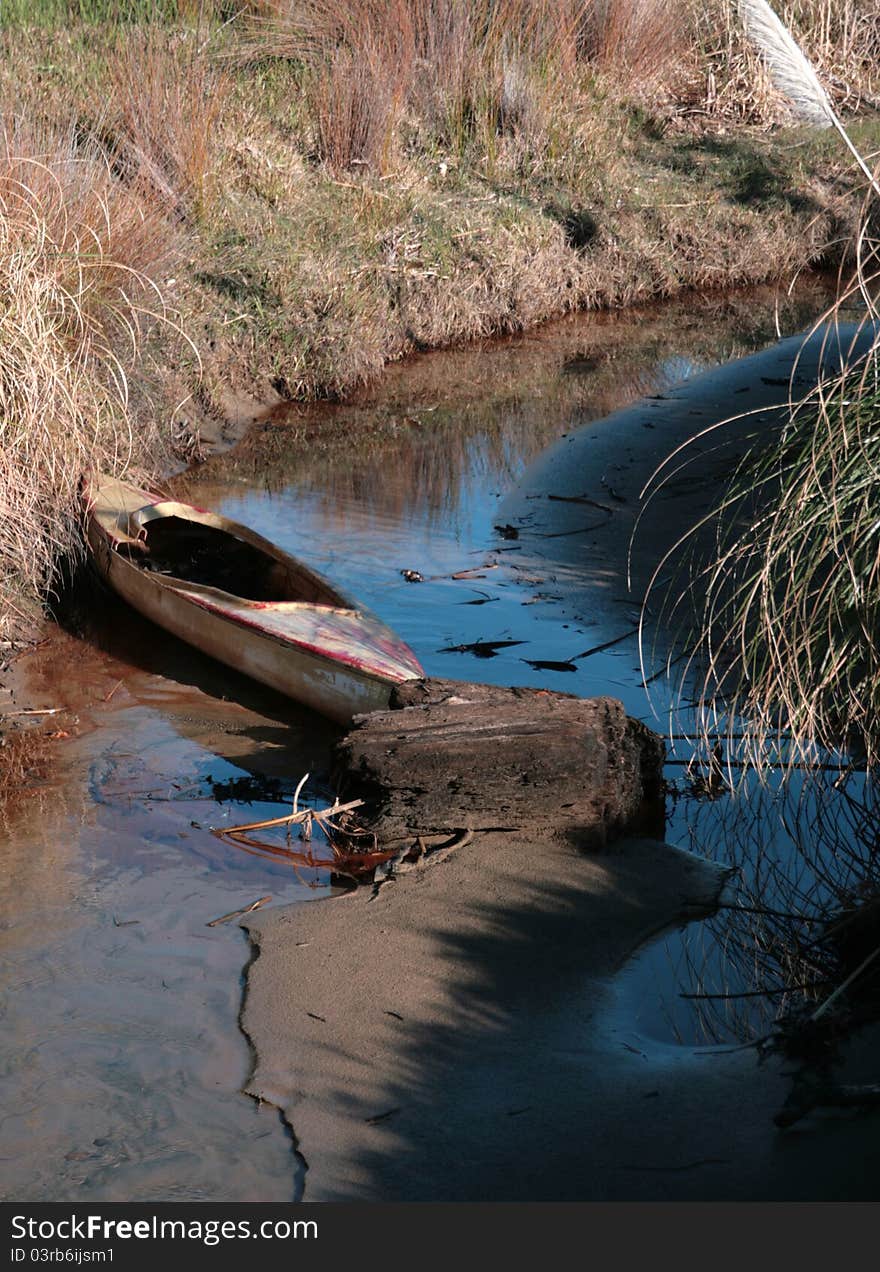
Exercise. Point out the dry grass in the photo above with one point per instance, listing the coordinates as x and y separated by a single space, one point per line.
52 13
728 81
378 75
79 256
94 203
452 75
642 39
376 270
842 37
409 175
165 105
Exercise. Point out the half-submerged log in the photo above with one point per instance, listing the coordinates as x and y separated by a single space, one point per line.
450 755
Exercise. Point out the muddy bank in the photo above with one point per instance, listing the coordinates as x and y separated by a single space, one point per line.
456 1039
452 1033
437 1043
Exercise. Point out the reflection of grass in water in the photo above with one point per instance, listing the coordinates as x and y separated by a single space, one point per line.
806 851
786 664
487 411
785 660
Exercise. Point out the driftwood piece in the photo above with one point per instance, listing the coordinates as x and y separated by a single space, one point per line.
450 755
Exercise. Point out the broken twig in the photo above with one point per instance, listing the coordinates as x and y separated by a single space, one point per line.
35 711
237 914
318 814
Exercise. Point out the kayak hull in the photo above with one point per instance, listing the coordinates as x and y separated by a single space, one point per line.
338 660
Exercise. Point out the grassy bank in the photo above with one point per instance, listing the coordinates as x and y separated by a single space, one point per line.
312 189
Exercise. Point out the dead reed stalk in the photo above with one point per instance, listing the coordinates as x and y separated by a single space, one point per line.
167 103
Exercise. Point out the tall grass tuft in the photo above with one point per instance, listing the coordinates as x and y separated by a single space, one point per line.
636 38
79 260
460 72
788 608
167 103
464 73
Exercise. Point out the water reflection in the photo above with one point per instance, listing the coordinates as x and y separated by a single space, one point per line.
522 552
435 487
121 1056
801 916
454 423
121 1052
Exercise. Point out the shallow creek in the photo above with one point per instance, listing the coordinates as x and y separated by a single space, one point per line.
121 1056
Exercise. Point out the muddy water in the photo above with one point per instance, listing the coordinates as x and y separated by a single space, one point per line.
121 1054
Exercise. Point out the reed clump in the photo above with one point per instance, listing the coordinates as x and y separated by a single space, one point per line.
379 78
80 260
164 104
105 171
788 607
383 79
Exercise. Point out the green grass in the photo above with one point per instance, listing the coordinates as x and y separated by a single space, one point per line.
16 14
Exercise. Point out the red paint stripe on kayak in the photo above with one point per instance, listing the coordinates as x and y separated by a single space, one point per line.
359 664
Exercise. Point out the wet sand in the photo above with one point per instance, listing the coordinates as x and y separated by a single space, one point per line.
458 1039
121 1056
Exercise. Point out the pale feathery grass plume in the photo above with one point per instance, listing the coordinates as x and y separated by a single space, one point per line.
793 74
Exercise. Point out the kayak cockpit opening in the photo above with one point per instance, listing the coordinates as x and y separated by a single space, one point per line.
213 557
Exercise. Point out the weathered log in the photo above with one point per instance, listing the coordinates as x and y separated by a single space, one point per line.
451 755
